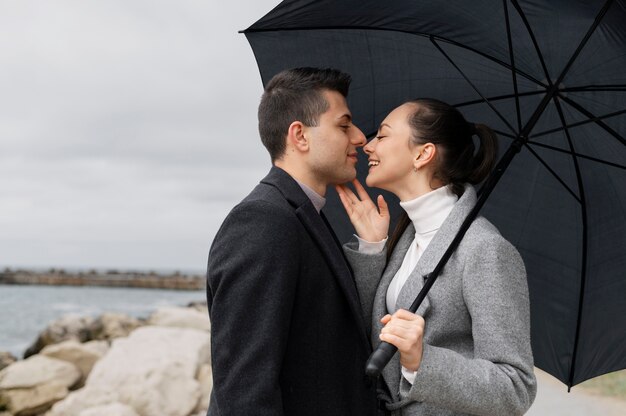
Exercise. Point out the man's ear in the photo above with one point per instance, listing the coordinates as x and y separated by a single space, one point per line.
424 155
296 137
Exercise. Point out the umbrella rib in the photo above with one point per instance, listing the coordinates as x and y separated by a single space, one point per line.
500 97
512 57
495 110
553 89
601 88
556 176
425 35
595 119
371 70
583 275
580 123
491 58
502 133
582 44
533 38
579 155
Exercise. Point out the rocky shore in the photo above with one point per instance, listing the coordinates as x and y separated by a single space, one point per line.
113 365
110 278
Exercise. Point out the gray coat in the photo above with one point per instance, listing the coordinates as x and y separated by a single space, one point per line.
477 357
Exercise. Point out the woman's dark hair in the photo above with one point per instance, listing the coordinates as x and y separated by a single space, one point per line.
296 94
458 161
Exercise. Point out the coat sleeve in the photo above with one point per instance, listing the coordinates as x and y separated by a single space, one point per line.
251 281
499 378
367 270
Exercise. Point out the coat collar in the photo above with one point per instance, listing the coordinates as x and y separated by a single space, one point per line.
322 235
287 186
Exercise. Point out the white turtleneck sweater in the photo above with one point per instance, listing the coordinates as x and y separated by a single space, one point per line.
427 213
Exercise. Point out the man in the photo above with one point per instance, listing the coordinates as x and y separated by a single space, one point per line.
288 337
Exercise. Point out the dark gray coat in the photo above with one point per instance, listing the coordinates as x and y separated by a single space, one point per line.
477 356
287 334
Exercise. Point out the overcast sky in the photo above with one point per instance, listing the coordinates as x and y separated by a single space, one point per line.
127 129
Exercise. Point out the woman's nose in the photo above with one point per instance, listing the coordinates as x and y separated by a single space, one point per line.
369 147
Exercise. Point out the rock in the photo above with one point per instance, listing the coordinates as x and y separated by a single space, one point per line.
200 306
180 317
111 325
67 327
6 359
38 370
113 409
97 347
34 400
108 326
205 378
83 356
31 386
86 398
154 369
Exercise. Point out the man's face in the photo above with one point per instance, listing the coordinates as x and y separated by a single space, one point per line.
333 142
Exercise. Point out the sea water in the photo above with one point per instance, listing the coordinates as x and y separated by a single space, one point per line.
25 311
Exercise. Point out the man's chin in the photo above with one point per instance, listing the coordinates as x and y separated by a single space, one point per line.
348 177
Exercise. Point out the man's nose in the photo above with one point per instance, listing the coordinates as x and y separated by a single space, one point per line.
358 138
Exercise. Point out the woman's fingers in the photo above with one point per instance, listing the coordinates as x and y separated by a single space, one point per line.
403 325
405 330
383 208
349 194
369 224
409 316
360 190
347 204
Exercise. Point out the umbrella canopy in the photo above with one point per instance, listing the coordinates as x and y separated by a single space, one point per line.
548 76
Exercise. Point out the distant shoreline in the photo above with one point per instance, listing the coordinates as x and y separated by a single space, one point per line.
110 278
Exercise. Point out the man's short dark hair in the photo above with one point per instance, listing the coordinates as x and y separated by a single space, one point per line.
296 95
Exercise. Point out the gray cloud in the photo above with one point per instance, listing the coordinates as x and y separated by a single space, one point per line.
127 129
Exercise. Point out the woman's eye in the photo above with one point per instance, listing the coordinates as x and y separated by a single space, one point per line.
380 137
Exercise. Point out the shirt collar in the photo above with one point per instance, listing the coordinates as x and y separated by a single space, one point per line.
317 200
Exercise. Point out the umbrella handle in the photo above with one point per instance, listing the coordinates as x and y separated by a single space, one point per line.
379 359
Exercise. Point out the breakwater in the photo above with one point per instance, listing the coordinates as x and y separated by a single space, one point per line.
112 278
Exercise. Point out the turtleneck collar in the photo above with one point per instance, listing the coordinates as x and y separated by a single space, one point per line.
428 211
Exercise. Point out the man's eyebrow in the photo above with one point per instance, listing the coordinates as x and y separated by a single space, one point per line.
346 116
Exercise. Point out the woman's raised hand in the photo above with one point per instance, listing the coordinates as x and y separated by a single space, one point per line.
370 222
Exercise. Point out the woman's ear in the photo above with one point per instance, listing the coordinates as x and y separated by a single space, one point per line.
425 154
296 136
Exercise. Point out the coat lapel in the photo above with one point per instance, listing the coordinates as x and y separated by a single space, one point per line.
442 239
390 373
433 253
323 237
426 264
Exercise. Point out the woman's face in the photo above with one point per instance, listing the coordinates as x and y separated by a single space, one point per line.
391 154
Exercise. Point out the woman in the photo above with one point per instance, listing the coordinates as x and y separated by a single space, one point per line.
467 350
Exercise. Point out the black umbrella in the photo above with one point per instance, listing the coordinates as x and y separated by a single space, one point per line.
550 77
